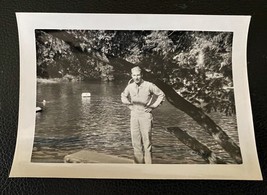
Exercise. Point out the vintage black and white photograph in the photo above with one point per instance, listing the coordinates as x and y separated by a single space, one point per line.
134 96
108 96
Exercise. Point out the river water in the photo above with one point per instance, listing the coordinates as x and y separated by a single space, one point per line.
100 123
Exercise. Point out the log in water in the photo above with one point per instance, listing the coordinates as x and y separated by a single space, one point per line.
195 145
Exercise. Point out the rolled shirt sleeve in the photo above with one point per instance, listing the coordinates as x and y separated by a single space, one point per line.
125 96
159 93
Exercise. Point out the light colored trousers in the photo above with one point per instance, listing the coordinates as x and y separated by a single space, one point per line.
141 127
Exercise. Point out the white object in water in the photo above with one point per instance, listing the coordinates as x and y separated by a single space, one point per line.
86 94
38 109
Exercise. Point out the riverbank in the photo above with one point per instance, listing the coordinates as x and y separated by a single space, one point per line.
66 78
87 156
47 81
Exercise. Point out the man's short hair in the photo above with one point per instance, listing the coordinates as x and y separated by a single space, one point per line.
136 68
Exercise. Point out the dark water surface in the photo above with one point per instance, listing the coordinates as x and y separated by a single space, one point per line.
71 123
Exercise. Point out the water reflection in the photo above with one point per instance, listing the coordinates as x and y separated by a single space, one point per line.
101 123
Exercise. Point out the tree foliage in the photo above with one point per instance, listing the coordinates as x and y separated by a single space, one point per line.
198 65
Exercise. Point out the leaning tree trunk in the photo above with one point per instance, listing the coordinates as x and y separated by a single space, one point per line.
172 96
195 145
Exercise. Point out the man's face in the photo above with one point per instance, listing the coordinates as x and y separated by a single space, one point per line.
137 76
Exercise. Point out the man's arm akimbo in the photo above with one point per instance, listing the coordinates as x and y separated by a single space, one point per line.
124 96
159 93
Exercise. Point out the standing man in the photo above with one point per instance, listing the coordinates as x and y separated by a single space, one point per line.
138 96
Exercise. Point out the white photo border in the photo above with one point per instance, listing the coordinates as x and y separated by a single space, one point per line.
28 22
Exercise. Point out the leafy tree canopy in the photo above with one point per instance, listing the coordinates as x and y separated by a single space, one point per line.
198 65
